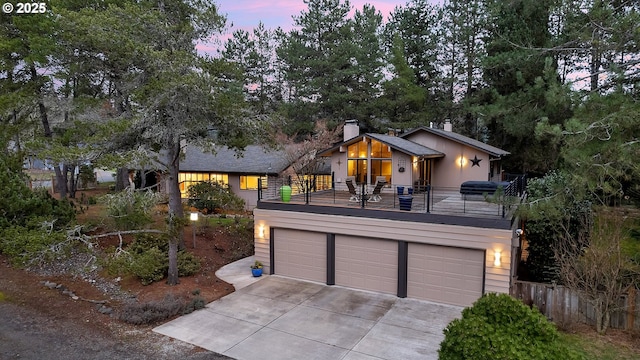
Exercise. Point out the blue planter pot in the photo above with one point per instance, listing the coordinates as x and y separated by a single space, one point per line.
405 202
400 190
256 272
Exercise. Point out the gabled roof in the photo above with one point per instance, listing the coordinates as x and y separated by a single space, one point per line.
403 145
253 160
406 146
491 150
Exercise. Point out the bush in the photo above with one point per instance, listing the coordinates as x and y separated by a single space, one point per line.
214 197
131 210
500 327
151 312
25 246
147 258
149 266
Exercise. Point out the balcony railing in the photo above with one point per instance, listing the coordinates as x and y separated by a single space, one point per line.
425 199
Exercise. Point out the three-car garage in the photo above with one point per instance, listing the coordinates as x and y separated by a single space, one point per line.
444 274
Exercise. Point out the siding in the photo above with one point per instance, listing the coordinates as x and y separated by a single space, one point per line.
497 279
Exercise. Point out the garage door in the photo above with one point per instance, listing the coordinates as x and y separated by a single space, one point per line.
366 263
445 274
301 255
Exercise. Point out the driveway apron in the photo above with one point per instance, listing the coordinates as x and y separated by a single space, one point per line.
283 318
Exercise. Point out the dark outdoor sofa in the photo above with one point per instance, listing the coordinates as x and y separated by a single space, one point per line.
482 187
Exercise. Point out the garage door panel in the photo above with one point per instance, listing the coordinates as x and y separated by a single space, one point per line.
365 263
301 255
445 274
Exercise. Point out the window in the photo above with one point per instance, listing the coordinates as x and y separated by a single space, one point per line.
361 163
251 182
187 179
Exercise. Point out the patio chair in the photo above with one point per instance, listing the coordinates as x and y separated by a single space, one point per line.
352 191
375 195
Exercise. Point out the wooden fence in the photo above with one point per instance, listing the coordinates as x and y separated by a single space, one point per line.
564 307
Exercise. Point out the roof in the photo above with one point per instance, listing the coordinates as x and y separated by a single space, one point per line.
491 150
254 159
397 143
406 146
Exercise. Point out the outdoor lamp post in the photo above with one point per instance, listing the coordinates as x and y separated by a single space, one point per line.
194 218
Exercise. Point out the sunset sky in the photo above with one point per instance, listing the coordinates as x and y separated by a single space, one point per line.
246 14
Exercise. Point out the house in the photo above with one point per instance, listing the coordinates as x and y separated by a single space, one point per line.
423 156
445 257
241 170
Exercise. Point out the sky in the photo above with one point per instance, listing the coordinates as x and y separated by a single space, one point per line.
246 14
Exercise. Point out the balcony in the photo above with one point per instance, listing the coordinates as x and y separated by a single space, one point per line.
434 205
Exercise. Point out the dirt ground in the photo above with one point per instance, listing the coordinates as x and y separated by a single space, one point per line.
37 322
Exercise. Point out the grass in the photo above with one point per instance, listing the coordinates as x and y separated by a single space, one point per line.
593 347
2 297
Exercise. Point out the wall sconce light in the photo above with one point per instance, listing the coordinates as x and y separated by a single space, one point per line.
261 231
461 161
496 258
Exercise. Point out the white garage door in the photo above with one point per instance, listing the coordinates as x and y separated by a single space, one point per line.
300 254
366 263
445 274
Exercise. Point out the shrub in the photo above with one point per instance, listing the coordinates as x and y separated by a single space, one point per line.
25 246
151 312
149 266
19 204
130 210
214 197
147 259
188 264
502 328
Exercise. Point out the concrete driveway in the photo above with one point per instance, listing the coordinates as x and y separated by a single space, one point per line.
282 318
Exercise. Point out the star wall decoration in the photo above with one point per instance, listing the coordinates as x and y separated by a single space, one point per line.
475 161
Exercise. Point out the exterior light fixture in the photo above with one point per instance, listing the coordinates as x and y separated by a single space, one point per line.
261 231
496 258
461 161
194 217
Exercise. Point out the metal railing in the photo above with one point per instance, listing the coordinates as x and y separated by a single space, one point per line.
422 199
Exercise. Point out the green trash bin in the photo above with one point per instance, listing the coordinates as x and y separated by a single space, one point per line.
285 193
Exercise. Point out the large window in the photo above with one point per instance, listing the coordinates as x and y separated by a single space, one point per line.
188 179
251 182
364 162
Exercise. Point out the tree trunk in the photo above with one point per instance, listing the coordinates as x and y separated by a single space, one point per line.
176 213
61 184
122 179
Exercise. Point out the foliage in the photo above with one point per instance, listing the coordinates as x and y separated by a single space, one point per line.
130 209
552 204
212 197
24 246
151 312
22 206
498 326
594 263
147 259
600 147
333 60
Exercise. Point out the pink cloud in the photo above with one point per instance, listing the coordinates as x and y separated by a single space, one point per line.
247 14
